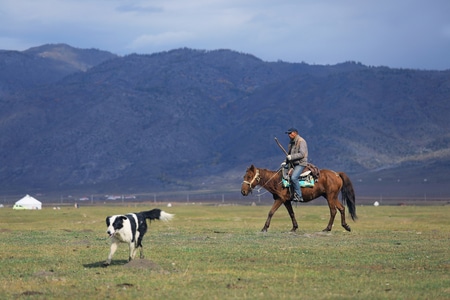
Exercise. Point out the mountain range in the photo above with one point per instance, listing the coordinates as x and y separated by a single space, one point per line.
91 121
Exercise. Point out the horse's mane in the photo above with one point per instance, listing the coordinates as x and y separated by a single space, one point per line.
267 170
261 170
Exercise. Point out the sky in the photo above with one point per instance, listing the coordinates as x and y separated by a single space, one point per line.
412 34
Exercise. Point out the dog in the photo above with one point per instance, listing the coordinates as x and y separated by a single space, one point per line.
131 228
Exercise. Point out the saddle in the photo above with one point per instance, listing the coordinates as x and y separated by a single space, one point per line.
309 176
315 172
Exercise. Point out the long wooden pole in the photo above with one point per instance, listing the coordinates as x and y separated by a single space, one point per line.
281 146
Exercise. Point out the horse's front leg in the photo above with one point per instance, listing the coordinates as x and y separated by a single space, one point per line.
272 211
288 206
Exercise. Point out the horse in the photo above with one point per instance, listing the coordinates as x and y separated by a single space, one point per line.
329 184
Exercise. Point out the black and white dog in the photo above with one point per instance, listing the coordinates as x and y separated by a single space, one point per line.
131 228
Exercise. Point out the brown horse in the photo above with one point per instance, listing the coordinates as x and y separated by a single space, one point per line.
329 185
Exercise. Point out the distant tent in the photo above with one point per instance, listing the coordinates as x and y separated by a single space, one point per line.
28 202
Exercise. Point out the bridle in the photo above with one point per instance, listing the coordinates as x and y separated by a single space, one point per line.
256 178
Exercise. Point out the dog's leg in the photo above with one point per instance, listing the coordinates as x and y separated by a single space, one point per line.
132 251
111 253
141 252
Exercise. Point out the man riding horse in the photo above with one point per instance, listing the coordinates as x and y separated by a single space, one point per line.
297 159
327 184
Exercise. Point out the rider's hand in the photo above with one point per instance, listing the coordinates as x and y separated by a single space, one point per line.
288 158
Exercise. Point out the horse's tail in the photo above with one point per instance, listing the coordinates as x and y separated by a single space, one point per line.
348 195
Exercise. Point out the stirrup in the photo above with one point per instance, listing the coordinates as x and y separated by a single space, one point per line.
297 198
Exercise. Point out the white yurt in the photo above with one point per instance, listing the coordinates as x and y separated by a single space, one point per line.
28 202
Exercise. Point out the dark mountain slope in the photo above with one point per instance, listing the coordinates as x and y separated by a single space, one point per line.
360 120
182 118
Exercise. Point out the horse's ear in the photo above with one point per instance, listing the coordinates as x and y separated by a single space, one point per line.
252 167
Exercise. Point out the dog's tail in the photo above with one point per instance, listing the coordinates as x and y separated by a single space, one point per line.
157 214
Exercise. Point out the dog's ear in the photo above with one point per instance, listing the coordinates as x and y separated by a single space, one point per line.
107 221
123 218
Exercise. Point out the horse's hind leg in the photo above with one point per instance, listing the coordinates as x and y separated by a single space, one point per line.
288 206
341 209
332 205
272 211
332 215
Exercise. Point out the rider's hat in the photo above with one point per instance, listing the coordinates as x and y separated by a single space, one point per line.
291 130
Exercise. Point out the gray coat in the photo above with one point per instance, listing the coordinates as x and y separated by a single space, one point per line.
298 149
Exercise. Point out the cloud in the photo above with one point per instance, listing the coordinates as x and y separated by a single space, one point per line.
374 32
164 39
140 9
446 31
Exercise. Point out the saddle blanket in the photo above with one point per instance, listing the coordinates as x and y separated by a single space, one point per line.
305 180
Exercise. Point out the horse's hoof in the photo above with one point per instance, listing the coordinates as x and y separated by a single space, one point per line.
264 230
347 227
326 230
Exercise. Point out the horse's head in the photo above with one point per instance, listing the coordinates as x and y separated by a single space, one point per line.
251 180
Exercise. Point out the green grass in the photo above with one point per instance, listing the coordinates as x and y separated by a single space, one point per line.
218 252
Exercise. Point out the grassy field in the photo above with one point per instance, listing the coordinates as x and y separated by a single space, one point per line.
218 252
